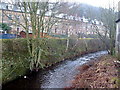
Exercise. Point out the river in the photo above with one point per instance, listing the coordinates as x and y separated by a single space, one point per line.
58 76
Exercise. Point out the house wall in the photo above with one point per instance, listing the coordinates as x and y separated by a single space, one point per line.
118 32
73 27
119 10
118 38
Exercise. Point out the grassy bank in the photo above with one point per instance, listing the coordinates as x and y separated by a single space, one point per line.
15 57
102 73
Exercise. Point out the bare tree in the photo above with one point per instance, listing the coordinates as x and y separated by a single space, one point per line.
108 17
42 18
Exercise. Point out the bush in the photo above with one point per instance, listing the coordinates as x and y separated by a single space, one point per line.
16 58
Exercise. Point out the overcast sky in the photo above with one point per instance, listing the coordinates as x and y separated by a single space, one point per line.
98 3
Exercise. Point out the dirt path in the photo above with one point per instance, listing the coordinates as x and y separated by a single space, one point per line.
102 73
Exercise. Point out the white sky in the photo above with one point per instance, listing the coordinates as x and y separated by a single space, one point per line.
98 3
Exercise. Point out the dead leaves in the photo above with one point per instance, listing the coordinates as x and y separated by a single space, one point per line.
98 75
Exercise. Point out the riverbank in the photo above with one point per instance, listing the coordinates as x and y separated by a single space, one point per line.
15 56
56 76
101 73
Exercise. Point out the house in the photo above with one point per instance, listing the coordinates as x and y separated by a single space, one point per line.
118 32
65 23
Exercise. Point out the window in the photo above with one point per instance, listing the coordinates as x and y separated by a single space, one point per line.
3 15
17 29
7 7
17 17
10 17
27 18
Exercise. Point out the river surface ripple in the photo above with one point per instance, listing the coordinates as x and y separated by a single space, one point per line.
61 75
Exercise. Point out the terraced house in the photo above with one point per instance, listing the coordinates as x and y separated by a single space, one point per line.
65 25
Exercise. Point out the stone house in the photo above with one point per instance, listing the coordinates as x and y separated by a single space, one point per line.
66 25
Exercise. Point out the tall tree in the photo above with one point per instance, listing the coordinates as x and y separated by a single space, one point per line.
41 16
108 17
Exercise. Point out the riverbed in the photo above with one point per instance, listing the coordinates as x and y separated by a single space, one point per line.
58 76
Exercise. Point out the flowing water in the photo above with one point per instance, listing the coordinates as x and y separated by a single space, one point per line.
59 76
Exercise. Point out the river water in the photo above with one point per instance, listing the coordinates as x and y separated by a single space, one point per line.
59 76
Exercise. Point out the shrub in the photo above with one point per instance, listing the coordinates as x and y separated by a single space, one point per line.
16 58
